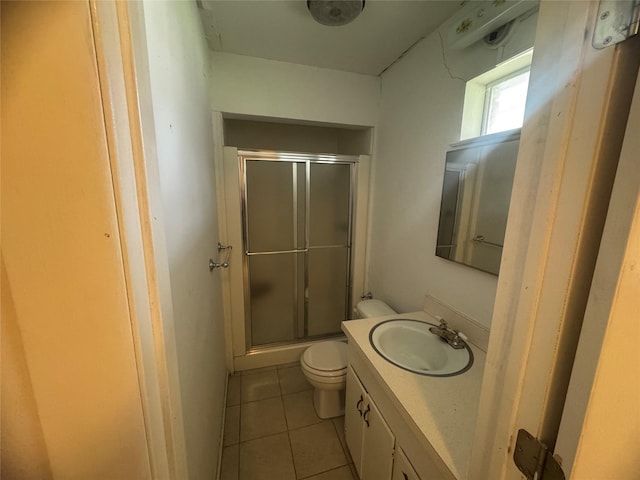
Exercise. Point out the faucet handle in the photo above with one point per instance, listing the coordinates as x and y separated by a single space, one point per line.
458 340
443 322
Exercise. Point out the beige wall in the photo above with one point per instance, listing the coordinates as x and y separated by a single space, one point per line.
71 406
179 78
420 116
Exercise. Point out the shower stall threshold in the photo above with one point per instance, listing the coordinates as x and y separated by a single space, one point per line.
271 355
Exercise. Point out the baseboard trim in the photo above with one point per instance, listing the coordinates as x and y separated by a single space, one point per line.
222 424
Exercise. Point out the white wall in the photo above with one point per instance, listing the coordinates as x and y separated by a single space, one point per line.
420 116
417 108
180 80
255 86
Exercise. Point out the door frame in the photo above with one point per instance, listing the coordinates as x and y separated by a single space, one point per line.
537 302
231 232
307 159
604 391
120 39
569 149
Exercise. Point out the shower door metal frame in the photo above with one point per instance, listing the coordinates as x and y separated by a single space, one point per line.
294 158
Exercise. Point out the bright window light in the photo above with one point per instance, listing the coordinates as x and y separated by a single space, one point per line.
504 103
494 101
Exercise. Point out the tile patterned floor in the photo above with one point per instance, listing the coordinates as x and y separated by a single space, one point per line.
272 430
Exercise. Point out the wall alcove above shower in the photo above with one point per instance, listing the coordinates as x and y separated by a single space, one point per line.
258 133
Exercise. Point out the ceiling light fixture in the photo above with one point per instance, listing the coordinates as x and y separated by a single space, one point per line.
334 13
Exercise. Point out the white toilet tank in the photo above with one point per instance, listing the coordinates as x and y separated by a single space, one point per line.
373 308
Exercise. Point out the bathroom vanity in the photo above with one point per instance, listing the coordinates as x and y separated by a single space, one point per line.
401 425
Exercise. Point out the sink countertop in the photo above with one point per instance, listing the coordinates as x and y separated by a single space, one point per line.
441 409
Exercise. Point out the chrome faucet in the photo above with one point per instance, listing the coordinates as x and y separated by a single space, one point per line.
452 337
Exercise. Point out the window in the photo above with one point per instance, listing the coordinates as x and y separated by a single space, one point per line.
494 101
504 103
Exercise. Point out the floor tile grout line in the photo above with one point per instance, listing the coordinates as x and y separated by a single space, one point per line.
324 471
335 427
262 437
345 447
283 413
346 457
261 399
238 463
306 426
269 398
295 472
288 429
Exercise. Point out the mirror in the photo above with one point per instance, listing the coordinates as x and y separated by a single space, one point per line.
478 179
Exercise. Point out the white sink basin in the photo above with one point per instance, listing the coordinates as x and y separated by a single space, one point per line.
410 345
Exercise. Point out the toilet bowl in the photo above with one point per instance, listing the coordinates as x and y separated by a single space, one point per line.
325 365
373 308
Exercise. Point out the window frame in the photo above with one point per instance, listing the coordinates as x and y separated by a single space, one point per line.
488 97
474 104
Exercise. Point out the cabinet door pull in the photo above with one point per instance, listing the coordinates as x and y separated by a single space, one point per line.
365 414
358 405
404 475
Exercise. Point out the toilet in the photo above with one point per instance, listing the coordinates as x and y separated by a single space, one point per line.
325 365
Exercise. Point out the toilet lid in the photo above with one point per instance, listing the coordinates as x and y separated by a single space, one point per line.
326 356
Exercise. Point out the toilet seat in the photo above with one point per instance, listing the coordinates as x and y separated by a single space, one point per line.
324 381
326 359
324 374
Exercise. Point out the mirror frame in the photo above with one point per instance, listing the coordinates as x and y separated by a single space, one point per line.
474 205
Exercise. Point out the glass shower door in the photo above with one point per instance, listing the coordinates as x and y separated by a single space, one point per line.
274 230
297 245
329 247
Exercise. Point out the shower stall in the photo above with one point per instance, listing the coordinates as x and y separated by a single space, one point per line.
297 212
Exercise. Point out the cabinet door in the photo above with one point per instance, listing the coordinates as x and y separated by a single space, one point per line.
356 398
378 444
402 469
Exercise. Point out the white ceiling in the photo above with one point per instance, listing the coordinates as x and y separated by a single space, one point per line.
285 31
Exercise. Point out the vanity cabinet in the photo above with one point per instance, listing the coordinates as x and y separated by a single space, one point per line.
428 421
381 447
402 469
369 438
